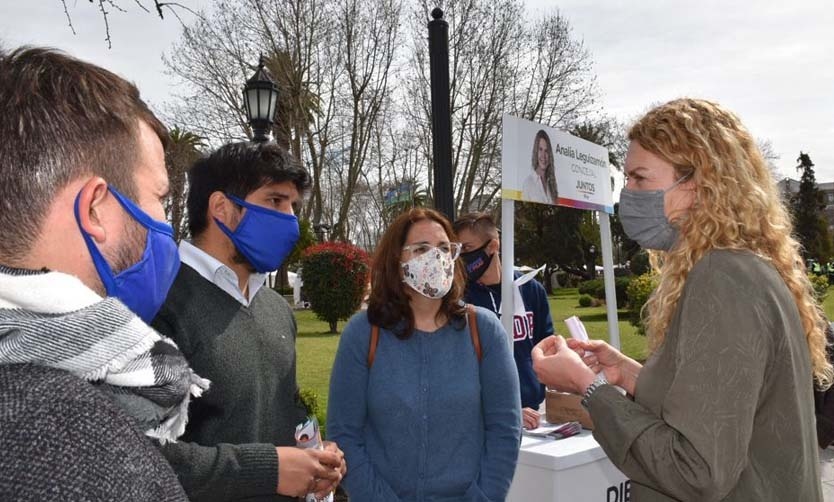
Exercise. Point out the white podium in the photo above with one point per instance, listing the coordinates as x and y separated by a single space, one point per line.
567 470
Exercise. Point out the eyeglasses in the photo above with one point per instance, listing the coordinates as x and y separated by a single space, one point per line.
450 248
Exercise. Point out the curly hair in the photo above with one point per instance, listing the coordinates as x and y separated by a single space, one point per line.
737 206
388 304
550 171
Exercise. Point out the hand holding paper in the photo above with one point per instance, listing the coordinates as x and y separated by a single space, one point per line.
308 435
560 367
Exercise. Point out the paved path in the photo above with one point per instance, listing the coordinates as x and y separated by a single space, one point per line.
827 474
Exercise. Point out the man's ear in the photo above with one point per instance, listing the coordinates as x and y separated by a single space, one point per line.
494 246
220 207
91 201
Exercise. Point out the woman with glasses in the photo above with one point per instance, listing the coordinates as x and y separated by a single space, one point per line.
424 397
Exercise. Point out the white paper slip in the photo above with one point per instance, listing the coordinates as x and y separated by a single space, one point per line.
576 329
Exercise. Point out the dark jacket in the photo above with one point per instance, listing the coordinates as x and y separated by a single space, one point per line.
824 401
61 439
533 328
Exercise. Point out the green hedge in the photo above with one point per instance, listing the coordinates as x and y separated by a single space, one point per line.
639 291
310 400
596 289
820 285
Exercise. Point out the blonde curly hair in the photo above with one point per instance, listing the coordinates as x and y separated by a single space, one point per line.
737 206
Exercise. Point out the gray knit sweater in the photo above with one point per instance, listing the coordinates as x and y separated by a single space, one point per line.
61 439
248 353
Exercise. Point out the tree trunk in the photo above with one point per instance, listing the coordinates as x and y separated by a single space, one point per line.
333 325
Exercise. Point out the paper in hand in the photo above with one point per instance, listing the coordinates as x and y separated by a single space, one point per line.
308 435
576 329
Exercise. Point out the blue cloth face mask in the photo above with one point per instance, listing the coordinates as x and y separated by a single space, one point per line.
644 220
264 236
143 286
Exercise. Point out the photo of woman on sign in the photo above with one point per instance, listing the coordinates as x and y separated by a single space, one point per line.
540 185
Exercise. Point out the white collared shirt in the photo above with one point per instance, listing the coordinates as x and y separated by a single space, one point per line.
214 271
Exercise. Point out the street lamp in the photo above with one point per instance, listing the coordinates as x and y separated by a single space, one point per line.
260 96
593 269
321 230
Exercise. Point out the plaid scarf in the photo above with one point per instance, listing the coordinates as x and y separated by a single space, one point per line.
53 319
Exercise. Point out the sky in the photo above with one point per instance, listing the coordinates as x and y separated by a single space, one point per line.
771 62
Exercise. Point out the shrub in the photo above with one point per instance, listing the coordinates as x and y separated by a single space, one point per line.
596 289
335 280
310 400
820 285
592 287
638 293
621 289
286 290
565 279
306 239
621 272
639 263
585 301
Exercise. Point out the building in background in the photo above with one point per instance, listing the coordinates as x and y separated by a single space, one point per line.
790 187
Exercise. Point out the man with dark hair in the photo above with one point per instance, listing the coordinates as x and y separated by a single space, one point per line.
480 243
239 443
84 382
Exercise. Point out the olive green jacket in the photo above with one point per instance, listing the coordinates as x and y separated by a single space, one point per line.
723 410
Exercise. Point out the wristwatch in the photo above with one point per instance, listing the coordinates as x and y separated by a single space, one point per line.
598 382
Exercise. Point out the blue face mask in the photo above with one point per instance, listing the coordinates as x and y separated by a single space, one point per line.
143 286
264 236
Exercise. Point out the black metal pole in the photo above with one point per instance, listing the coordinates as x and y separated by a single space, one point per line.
441 116
260 131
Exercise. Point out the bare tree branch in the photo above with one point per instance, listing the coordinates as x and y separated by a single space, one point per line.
69 19
106 24
172 7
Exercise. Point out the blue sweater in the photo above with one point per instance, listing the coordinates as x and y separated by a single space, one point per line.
427 422
536 326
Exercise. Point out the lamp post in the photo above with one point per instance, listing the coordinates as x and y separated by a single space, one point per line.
593 265
321 229
260 97
441 115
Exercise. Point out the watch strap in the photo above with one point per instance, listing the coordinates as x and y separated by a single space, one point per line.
598 382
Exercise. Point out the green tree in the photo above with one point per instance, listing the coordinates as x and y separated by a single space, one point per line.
406 195
335 279
184 149
624 248
810 224
553 236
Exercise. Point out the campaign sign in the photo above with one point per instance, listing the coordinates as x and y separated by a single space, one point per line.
549 166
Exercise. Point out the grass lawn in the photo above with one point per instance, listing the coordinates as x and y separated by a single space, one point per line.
565 303
317 349
828 305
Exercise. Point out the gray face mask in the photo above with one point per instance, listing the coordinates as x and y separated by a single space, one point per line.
644 219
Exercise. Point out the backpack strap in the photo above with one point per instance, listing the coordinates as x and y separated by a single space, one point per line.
473 334
373 344
473 330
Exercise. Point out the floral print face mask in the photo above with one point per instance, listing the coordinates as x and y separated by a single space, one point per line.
430 272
